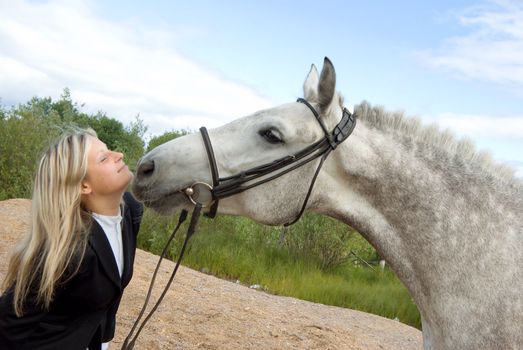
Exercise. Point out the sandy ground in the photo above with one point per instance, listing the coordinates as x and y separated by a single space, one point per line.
204 312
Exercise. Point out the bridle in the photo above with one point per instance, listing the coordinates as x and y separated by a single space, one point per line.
227 186
231 185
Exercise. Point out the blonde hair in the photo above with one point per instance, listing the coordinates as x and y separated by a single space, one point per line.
55 243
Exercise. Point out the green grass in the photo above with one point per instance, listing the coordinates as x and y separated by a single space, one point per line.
238 249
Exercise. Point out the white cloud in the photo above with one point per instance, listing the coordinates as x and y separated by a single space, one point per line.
120 68
493 49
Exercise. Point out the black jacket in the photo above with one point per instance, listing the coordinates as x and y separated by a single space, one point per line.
82 314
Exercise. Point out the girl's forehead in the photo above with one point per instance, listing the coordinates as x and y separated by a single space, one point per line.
97 143
96 148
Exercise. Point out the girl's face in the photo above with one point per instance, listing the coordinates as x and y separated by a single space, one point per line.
107 173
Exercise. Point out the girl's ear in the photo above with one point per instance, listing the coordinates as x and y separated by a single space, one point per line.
86 188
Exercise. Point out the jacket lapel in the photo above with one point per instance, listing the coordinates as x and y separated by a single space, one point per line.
101 246
126 246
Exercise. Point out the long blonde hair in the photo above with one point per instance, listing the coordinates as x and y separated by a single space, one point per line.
57 238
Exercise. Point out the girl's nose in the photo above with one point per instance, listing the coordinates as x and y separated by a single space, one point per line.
118 156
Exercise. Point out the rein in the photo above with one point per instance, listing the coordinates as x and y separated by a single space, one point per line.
130 342
227 186
231 185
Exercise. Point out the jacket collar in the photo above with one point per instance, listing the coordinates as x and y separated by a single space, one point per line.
127 246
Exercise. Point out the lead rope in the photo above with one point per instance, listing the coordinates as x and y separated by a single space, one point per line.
129 344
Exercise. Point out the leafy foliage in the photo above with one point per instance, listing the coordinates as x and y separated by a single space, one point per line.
328 241
27 130
24 132
165 137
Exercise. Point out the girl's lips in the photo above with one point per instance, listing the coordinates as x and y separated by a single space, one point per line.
123 167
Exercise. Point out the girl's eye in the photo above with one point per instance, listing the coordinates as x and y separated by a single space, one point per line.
271 135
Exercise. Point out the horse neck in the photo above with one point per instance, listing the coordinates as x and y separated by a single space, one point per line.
376 174
408 200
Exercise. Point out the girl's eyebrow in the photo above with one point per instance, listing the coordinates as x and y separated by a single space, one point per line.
103 150
101 153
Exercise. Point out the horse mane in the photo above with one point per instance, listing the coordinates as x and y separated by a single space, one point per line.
397 123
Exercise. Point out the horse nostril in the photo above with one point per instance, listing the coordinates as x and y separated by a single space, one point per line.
146 169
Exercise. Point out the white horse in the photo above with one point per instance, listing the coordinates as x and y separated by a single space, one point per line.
447 219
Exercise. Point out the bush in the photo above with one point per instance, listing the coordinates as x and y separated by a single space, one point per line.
330 242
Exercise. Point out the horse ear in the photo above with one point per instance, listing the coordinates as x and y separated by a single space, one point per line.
327 84
310 86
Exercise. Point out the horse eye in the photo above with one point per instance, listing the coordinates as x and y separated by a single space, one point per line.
271 135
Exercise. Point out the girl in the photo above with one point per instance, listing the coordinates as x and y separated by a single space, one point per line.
66 277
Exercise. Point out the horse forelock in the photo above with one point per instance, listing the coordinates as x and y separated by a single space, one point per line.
411 127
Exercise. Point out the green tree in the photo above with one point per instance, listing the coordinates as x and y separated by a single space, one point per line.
67 110
24 132
165 137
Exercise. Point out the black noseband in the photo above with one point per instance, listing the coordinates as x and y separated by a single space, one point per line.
228 186
214 171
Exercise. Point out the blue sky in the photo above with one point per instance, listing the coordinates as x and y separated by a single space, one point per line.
184 64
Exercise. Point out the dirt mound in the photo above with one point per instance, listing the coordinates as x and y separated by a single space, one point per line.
204 312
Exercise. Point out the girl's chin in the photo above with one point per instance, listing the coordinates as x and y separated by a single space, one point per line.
130 177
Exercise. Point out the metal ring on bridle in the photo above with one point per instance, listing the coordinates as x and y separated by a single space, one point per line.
192 190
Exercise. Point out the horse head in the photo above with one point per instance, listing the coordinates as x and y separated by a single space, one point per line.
246 143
